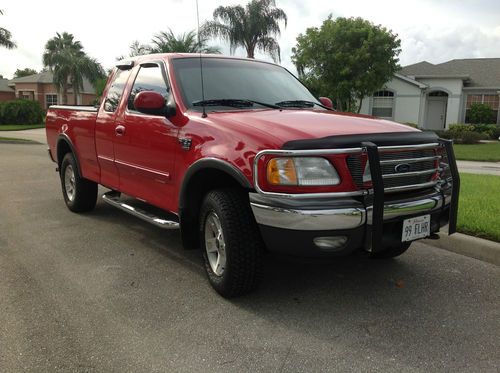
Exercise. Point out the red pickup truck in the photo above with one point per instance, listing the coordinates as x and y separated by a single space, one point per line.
244 159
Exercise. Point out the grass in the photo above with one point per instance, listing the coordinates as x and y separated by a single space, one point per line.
479 206
487 152
19 127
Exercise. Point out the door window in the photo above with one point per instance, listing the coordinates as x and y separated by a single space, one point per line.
149 78
115 92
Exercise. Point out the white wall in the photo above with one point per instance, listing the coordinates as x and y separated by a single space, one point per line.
454 89
410 101
407 99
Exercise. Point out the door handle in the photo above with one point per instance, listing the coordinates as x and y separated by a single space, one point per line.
120 130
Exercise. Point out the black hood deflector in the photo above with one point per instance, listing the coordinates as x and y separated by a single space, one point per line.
380 139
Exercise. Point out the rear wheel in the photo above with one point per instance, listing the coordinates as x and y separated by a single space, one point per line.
391 251
79 194
231 243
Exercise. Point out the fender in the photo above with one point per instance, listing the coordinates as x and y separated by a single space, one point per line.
214 163
65 138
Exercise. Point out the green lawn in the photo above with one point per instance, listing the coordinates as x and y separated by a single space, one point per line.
479 206
488 152
19 127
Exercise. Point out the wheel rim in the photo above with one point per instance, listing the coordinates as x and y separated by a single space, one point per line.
69 182
215 245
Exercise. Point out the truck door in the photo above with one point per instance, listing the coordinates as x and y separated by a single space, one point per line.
145 144
105 131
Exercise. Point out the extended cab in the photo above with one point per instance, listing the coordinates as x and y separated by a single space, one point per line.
242 158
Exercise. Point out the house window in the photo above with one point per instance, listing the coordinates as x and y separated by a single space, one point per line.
493 101
50 100
383 104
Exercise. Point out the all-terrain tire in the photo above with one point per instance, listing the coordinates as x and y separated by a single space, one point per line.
80 195
240 242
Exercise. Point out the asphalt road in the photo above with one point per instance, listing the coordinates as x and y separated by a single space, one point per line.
106 292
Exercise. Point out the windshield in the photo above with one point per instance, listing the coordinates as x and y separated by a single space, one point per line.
232 79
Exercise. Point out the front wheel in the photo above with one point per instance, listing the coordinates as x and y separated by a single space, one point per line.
79 194
231 242
391 251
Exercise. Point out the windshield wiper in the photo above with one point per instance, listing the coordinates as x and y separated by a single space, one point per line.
232 102
300 104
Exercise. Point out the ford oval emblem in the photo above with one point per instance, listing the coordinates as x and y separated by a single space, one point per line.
402 167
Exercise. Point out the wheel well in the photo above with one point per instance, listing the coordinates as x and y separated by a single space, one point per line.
64 147
191 198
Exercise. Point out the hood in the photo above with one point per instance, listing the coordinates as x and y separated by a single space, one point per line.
287 125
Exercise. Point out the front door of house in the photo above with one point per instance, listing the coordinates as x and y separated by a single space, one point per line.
436 113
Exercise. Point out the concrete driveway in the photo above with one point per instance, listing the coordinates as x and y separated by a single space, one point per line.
105 292
37 135
488 168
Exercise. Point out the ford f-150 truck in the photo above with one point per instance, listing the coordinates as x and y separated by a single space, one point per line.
243 159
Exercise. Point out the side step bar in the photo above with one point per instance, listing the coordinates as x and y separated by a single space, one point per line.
113 199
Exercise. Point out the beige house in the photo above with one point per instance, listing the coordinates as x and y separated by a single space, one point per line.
434 96
39 87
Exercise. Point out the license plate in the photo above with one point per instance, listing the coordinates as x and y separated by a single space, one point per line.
415 228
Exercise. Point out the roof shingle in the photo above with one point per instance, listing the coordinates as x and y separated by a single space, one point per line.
481 72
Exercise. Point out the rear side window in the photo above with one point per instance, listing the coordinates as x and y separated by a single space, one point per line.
115 92
149 78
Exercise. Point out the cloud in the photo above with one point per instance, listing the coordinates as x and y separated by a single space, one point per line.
430 30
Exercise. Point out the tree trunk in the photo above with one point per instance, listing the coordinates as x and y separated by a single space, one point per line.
64 94
250 50
360 103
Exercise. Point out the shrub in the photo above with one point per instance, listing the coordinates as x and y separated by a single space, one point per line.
491 130
470 137
414 125
481 113
21 112
463 134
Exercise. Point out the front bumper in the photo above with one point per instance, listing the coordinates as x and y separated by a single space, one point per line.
343 222
303 227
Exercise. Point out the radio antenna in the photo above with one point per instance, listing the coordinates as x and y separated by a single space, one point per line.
204 113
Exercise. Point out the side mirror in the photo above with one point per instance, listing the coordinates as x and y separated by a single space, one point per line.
325 101
150 102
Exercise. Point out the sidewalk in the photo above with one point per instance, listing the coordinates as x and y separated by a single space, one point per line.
37 135
471 167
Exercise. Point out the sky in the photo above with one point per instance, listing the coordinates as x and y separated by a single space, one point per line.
434 31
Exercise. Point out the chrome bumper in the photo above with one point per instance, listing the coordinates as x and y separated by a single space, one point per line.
268 212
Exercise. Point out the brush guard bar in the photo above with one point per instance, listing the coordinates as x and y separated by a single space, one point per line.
377 193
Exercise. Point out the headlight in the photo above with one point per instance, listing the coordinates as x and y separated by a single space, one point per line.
301 171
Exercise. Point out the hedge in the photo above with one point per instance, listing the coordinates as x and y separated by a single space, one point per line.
21 112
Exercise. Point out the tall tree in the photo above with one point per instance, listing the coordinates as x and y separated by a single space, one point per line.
168 42
136 49
346 59
65 57
24 72
6 37
254 27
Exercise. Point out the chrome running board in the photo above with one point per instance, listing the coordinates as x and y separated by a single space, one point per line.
113 198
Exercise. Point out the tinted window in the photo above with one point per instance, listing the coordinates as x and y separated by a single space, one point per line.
149 78
237 79
116 90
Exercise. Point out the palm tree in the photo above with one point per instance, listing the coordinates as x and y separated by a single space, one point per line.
254 27
66 59
136 49
6 37
167 42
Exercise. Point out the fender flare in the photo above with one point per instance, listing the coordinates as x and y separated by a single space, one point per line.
65 138
211 163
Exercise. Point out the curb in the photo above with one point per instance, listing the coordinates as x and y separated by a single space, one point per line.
19 141
473 247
